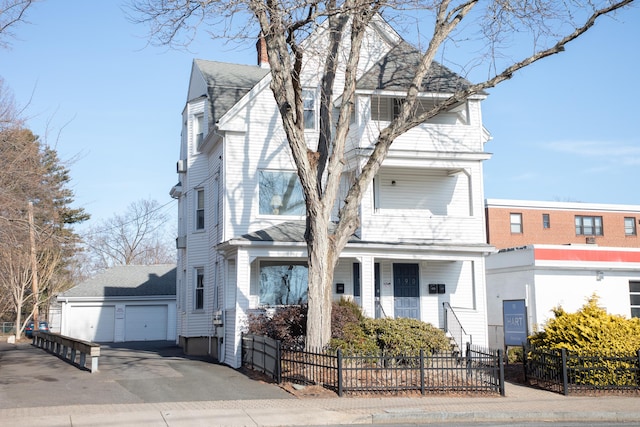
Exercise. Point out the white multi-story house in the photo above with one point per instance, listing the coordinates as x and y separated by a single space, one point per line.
421 245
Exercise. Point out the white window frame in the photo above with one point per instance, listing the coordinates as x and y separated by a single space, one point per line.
200 211
630 226
309 107
515 223
198 289
276 199
198 130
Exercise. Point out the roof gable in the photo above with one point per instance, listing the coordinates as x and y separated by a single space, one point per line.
396 70
227 83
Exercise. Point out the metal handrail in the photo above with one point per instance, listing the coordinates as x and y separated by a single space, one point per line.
455 329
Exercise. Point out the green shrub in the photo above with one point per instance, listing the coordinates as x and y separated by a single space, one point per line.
353 341
403 336
351 331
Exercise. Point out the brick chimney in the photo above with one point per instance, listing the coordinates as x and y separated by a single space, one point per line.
261 47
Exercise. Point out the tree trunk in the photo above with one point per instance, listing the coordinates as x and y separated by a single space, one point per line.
322 262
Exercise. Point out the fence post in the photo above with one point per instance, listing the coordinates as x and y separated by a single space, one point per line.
422 371
501 363
638 371
525 362
565 375
339 356
468 359
278 362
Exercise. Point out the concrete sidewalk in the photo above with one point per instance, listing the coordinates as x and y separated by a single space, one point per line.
138 387
522 404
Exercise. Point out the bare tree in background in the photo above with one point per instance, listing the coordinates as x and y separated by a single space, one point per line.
32 174
136 237
503 36
12 13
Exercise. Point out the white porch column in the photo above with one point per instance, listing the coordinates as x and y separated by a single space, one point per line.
243 288
367 286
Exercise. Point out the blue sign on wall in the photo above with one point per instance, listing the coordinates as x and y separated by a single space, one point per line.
515 322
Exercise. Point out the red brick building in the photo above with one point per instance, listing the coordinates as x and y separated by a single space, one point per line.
513 223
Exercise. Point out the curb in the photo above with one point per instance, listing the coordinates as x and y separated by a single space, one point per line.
414 417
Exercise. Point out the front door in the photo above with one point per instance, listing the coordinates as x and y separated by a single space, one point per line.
406 290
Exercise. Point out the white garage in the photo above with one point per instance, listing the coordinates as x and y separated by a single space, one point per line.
145 322
92 323
125 303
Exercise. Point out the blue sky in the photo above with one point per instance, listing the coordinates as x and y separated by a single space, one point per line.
565 129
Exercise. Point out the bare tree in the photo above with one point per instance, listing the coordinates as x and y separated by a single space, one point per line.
493 26
135 237
32 174
12 12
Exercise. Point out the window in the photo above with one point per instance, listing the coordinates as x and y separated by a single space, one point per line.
589 225
309 105
397 106
546 222
198 302
356 279
200 209
283 282
280 193
634 297
198 129
630 226
516 223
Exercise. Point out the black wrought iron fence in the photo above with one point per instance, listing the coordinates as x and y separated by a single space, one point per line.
479 370
566 372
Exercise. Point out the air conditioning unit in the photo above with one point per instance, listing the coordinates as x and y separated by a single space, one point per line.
176 191
181 242
181 166
591 240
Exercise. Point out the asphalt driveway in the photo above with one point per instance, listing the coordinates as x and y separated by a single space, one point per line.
141 372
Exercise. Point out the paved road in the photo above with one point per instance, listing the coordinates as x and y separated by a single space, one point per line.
156 385
146 372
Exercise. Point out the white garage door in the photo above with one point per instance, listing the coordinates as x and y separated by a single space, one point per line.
145 323
92 323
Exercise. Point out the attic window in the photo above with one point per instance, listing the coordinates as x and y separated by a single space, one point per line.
198 129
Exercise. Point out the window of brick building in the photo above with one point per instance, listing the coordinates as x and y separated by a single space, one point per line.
546 222
630 226
516 223
589 225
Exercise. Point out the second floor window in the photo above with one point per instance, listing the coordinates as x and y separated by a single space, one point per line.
546 222
199 291
630 226
309 105
516 223
200 209
280 193
589 225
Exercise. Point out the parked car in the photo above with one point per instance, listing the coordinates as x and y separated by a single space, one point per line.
43 325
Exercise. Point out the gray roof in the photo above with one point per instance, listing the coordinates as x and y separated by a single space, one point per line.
291 231
128 280
397 69
228 83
